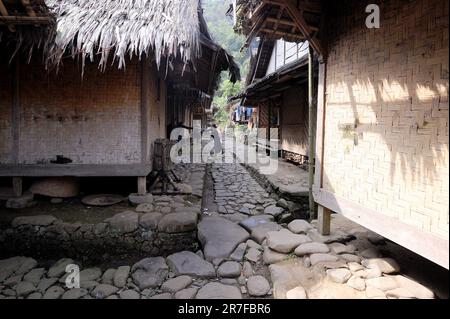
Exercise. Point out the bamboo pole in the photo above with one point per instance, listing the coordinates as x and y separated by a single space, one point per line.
311 137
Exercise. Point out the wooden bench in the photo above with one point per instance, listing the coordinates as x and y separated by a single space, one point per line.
18 171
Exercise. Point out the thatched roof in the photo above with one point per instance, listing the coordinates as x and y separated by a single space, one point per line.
114 30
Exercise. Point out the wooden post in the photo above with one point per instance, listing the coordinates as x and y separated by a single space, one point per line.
145 82
17 186
311 131
142 185
324 220
16 110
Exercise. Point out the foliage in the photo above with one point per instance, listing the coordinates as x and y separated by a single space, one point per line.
221 29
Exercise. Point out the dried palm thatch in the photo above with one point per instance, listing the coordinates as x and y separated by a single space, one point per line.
117 29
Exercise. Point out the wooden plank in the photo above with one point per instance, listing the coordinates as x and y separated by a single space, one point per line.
87 170
17 186
288 23
320 127
421 242
145 83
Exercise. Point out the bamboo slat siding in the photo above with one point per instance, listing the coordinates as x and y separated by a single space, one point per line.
386 128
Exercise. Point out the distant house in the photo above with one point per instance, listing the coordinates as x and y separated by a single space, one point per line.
98 84
382 155
276 87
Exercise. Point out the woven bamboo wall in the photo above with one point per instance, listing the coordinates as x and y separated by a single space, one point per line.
94 119
386 121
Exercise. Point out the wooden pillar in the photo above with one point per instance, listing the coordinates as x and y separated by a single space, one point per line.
324 220
311 133
145 82
142 185
16 110
17 186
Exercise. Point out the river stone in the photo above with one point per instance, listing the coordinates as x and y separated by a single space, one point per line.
59 268
61 187
299 226
350 258
129 294
216 290
136 199
273 210
53 292
339 248
250 223
354 266
400 293
145 208
229 269
150 272
103 290
13 280
178 222
45 283
108 276
188 293
374 293
26 265
382 283
176 284
239 252
321 258
253 255
150 220
284 241
356 283
297 293
340 275
311 248
386 265
257 286
35 295
121 276
90 274
24 201
24 288
8 266
88 284
272 257
376 239
165 295
75 293
419 291
38 220
34 276
370 253
219 237
259 232
188 263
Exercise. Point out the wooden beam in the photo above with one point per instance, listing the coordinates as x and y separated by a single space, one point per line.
421 242
288 23
281 33
22 20
298 18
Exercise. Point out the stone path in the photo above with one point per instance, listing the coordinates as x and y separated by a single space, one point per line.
247 252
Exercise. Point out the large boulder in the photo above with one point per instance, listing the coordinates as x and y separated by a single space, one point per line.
219 237
24 201
178 222
61 187
123 223
188 263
